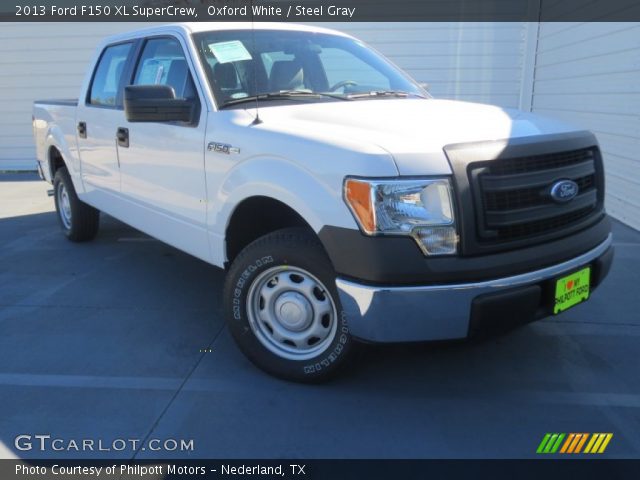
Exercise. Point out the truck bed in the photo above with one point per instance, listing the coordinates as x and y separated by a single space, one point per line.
53 115
65 102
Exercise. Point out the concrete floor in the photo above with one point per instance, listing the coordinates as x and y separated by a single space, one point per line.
108 340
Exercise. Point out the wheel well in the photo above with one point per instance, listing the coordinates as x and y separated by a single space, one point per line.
55 161
255 217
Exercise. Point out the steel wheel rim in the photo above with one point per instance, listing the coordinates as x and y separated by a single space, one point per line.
64 206
291 313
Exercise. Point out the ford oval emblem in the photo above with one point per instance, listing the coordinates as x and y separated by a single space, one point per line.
564 191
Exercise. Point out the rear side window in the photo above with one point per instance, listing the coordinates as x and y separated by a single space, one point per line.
163 63
106 80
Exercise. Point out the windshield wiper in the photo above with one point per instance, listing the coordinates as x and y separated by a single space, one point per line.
305 93
284 94
384 93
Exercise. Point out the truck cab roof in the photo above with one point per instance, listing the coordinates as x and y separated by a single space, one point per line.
188 28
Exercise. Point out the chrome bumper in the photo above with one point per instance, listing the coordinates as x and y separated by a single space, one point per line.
433 312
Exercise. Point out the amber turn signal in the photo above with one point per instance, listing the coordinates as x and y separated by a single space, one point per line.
358 196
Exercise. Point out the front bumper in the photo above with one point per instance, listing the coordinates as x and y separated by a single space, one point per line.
439 312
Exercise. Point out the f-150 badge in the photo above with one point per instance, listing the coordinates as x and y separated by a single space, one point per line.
222 148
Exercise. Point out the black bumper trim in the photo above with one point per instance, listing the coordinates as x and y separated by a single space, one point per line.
495 312
399 261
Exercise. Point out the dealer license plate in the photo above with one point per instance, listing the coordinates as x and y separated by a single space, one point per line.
572 290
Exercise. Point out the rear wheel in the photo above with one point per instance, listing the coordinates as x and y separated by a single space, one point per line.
78 220
283 309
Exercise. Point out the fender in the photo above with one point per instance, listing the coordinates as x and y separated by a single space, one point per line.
279 179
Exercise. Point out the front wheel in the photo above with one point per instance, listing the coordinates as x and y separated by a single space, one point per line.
283 310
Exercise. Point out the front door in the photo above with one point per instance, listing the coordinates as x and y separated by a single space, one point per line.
162 163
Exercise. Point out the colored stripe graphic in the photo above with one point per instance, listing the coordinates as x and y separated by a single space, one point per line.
581 443
573 443
556 445
576 439
594 437
605 443
543 443
550 443
568 442
598 443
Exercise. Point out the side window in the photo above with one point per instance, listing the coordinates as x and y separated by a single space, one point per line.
106 80
163 63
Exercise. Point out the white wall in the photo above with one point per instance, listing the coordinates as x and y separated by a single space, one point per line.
479 62
589 74
470 61
38 61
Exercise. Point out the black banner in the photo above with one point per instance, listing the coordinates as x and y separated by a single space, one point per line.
321 10
321 469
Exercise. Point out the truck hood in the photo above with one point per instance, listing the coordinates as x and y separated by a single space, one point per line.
412 131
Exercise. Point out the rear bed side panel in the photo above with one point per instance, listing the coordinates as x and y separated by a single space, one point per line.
40 123
54 127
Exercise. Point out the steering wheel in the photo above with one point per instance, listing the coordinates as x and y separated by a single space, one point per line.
343 83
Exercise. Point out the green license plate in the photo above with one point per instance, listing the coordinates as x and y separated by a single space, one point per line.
572 290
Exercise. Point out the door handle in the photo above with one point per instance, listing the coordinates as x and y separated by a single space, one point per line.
122 135
82 129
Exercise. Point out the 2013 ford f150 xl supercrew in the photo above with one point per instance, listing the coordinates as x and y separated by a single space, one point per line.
344 201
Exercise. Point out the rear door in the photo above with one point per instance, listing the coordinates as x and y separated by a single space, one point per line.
162 163
97 118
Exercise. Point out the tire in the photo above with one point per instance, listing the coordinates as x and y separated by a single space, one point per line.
79 221
283 310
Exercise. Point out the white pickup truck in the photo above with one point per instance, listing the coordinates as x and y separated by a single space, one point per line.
343 200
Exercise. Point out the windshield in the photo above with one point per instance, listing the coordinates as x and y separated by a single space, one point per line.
276 64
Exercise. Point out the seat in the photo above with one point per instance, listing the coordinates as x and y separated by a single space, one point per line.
177 76
286 75
224 74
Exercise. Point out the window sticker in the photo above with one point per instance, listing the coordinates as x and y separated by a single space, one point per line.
233 51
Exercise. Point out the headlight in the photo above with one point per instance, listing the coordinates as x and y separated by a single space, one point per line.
422 209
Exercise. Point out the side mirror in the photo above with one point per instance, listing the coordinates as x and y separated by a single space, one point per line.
157 103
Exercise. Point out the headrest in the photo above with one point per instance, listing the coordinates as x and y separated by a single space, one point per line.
225 75
286 75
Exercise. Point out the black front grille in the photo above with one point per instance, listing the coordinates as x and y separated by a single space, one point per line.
512 196
542 226
540 162
503 190
527 197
